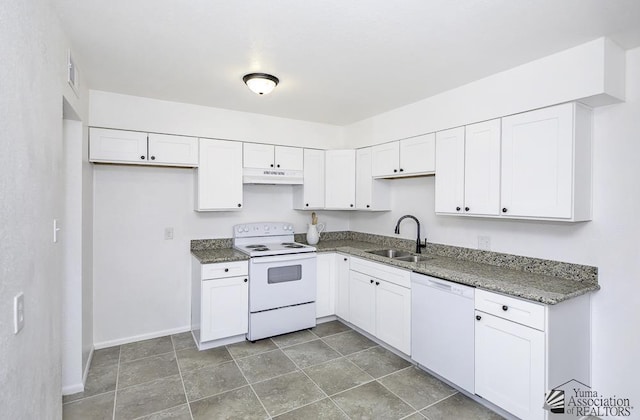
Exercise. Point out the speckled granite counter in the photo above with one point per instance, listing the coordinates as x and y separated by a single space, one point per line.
544 281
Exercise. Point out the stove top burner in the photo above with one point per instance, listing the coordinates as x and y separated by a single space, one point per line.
255 246
264 248
290 245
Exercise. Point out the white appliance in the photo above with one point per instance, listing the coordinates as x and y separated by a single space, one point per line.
442 328
282 279
272 176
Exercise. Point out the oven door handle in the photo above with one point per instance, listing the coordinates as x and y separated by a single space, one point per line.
283 258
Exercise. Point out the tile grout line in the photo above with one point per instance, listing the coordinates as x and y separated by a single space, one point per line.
184 388
115 391
250 387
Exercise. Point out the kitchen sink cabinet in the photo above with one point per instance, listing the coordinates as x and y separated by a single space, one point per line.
138 148
219 176
326 285
340 179
267 156
380 302
468 169
219 303
524 349
310 195
408 157
546 164
371 194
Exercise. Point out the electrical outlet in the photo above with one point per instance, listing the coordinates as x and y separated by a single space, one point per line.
18 312
168 233
484 243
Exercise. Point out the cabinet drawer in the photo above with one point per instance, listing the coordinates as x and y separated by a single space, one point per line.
222 270
381 271
516 310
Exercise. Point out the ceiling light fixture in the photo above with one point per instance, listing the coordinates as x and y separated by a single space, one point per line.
260 83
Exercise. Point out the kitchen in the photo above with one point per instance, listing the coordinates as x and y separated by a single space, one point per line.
129 223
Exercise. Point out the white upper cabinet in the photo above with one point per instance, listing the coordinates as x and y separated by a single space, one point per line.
409 157
267 156
310 195
468 169
340 179
371 194
385 159
219 176
482 168
449 196
546 164
138 148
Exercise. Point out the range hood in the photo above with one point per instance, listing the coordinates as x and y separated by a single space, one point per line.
271 176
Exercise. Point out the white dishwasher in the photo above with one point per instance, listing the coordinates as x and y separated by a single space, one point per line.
442 328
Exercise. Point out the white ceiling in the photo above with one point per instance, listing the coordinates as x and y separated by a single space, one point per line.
339 61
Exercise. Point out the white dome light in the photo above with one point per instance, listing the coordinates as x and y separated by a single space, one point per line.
260 83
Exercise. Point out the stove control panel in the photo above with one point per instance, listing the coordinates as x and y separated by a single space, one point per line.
262 229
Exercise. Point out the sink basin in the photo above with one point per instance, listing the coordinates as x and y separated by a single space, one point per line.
414 258
390 253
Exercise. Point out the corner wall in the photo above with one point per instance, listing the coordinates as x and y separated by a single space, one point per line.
33 84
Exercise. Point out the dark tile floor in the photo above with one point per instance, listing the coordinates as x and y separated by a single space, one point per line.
328 372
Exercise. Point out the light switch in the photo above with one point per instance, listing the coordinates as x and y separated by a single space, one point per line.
18 312
168 233
484 243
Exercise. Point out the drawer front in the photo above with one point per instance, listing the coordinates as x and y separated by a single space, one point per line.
506 307
227 269
381 271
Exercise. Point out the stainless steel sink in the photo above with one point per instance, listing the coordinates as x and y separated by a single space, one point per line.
414 258
390 253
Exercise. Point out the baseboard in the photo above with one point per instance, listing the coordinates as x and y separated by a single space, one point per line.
133 339
72 389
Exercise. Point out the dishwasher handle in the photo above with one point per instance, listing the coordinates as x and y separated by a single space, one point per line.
444 285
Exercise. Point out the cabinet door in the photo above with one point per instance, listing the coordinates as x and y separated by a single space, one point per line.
482 168
255 155
173 150
225 308
418 155
290 158
117 146
313 187
385 159
393 315
219 175
325 292
510 366
342 286
340 179
362 311
537 150
363 178
449 194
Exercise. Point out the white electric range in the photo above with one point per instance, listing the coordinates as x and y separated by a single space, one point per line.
282 278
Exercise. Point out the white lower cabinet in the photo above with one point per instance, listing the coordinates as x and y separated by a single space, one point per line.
219 301
326 284
524 349
342 286
380 302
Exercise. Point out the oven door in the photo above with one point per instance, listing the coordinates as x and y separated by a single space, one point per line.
281 280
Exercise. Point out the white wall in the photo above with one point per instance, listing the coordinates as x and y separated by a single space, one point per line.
592 73
112 110
33 83
141 281
609 242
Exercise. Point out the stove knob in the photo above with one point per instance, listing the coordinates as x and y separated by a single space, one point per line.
240 229
266 227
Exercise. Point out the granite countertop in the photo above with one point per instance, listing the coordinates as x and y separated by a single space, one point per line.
218 255
535 286
531 286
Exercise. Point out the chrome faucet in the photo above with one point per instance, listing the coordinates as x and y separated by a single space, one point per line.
418 243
